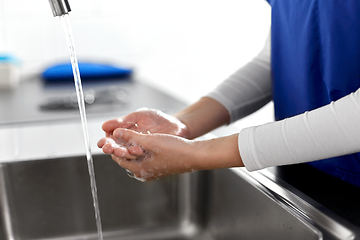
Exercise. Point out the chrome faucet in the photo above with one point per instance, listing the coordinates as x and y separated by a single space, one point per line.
59 7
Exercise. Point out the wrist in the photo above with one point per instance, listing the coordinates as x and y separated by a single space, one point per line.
202 117
185 131
218 153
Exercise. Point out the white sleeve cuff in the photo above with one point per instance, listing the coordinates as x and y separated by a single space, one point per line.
247 149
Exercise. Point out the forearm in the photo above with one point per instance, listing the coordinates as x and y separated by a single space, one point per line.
326 132
203 116
218 153
248 89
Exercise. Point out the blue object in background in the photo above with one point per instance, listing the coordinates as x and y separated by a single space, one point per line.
88 71
315 56
7 58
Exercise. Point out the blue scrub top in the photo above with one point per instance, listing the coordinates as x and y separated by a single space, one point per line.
315 59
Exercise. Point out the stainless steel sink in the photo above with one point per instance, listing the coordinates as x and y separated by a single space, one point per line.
51 199
45 188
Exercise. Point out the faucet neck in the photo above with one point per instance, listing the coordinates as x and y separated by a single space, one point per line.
59 7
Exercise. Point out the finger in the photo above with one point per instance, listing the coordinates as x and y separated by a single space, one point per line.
109 146
124 163
101 142
135 128
111 125
136 150
119 160
129 136
123 153
108 149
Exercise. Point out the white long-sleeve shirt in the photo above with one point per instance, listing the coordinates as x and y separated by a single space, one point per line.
329 131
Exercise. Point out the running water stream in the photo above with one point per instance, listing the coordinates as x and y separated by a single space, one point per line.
80 96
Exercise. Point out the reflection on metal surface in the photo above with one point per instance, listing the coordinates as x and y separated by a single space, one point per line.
5 210
309 209
111 95
51 200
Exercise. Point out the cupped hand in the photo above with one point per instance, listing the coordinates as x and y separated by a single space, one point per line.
147 121
150 156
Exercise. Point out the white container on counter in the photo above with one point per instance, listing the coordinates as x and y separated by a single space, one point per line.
9 72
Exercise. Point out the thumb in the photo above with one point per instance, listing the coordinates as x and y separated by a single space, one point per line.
133 139
122 122
127 135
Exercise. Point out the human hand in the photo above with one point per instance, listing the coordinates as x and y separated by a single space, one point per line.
150 156
147 121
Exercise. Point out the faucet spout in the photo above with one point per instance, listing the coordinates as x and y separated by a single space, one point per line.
59 7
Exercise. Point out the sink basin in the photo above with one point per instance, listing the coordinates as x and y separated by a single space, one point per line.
51 200
45 188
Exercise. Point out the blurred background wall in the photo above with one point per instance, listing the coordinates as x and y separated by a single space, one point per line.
184 47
